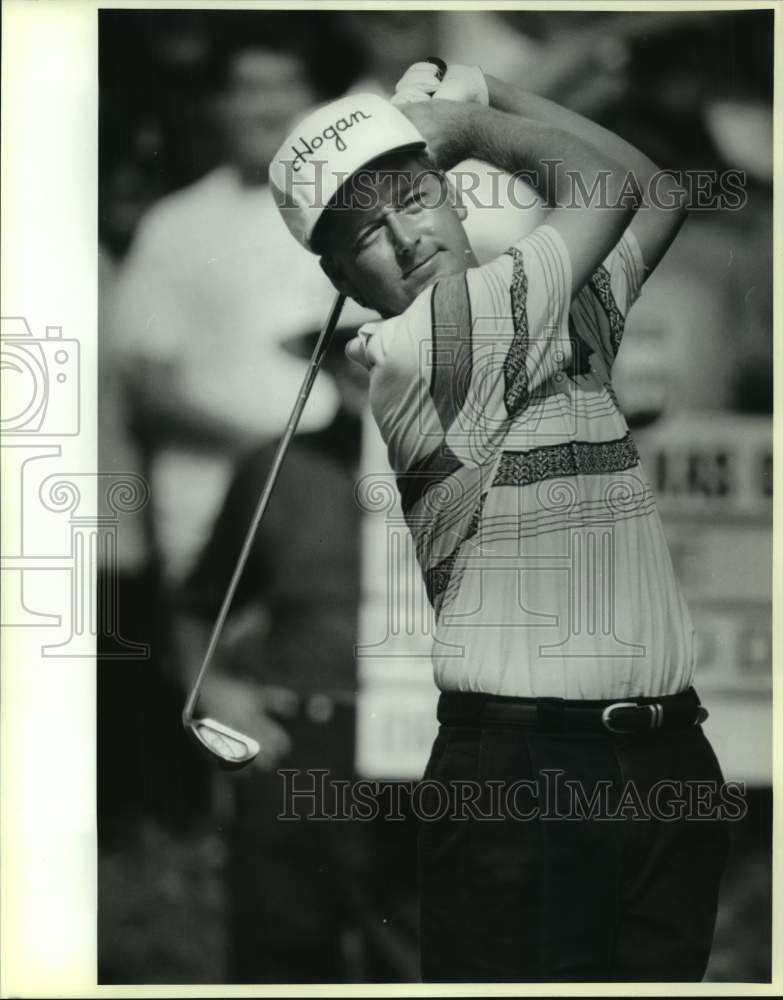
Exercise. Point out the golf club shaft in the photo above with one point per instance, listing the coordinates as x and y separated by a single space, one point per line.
293 422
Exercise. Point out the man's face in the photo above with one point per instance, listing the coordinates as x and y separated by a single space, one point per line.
265 91
394 233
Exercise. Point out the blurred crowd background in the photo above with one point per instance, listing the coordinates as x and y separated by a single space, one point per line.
207 309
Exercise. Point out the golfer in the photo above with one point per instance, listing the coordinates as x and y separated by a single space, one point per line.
563 647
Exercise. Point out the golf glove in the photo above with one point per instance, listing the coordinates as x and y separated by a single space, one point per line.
461 83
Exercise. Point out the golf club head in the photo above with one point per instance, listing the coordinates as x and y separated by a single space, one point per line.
230 748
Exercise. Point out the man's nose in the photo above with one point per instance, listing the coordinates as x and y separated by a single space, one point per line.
403 234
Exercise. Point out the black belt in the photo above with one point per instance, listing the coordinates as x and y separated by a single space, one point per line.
620 716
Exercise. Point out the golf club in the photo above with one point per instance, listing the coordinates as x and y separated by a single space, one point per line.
228 746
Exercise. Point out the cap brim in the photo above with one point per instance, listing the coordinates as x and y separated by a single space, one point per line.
329 145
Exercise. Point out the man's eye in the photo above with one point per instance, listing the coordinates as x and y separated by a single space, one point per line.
366 238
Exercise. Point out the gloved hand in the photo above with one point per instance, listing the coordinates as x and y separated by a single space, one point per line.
461 83
464 83
356 349
418 83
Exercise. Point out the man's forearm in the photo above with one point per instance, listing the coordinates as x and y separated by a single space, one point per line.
588 230
662 197
528 146
513 100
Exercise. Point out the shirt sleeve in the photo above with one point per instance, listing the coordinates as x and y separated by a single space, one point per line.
602 306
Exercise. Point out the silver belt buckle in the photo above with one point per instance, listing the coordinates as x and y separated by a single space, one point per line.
656 715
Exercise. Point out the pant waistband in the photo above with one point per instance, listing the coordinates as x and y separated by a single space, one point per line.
620 716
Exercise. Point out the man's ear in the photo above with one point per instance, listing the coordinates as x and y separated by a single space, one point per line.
335 274
454 199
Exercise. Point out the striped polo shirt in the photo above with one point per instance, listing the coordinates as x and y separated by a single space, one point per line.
535 527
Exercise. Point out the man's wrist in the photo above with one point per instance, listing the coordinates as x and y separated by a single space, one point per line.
463 138
483 133
500 94
511 99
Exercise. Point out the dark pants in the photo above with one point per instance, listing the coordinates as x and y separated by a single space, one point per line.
289 880
146 767
554 899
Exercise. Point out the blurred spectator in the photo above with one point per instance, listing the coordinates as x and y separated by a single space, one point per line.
131 782
135 780
210 285
148 786
290 680
189 374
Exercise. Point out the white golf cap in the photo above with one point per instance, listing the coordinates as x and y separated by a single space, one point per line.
326 148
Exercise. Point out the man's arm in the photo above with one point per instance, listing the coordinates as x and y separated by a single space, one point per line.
662 212
164 412
456 131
